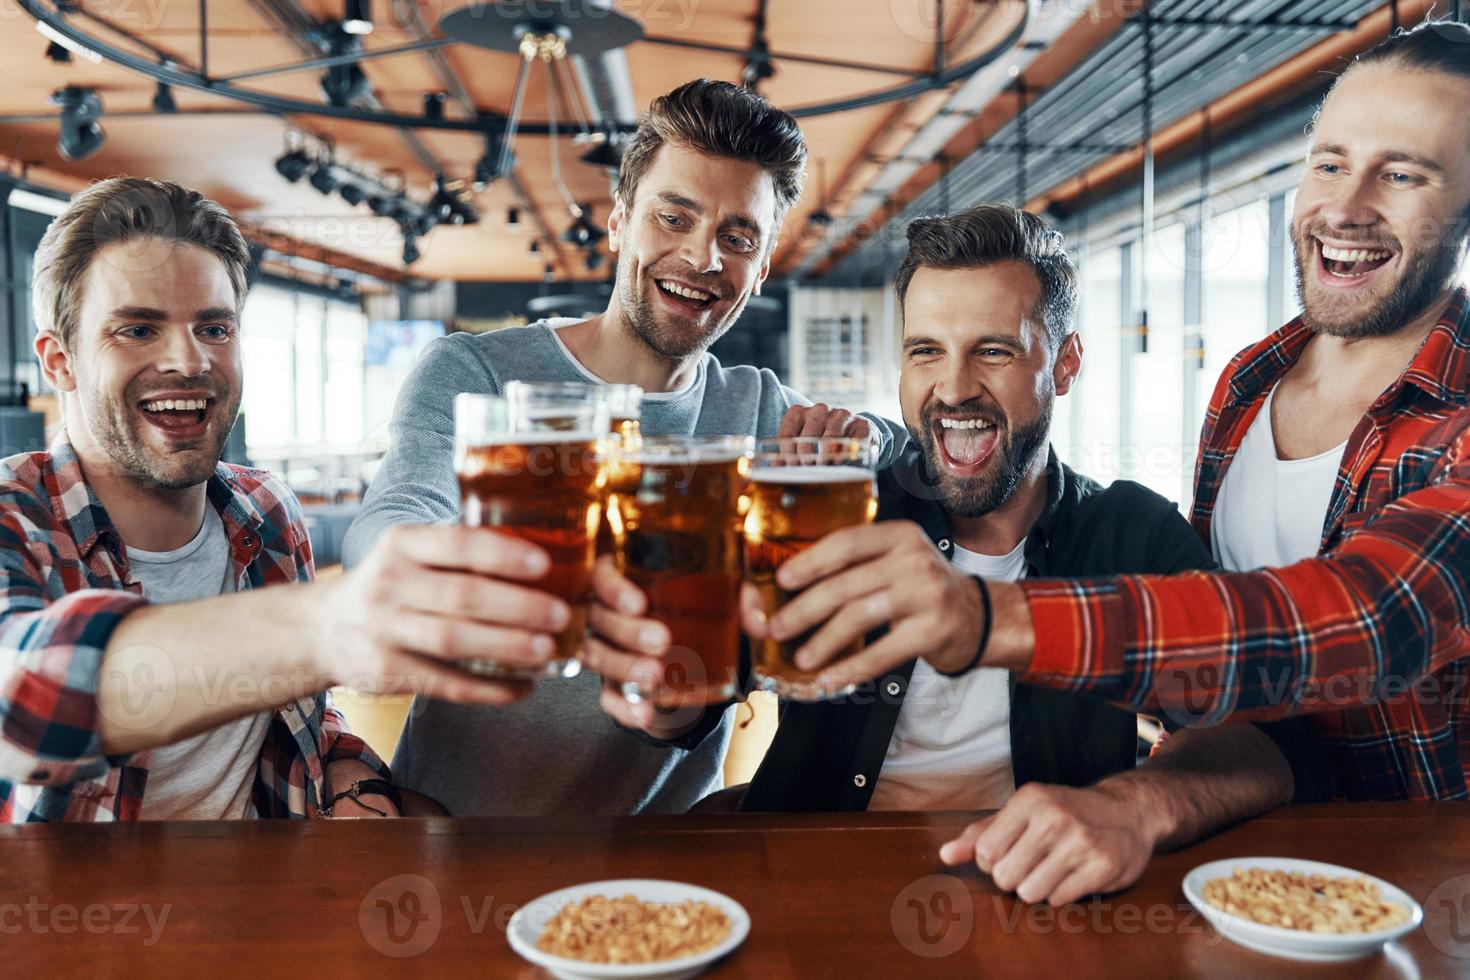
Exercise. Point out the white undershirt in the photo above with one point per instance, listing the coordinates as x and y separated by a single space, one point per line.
207 776
1270 511
951 747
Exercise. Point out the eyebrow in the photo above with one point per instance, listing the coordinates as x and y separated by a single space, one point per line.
1392 156
737 220
155 315
990 340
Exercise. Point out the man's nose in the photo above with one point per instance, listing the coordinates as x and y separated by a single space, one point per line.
183 353
701 251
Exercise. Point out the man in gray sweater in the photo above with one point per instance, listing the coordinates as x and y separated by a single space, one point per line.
704 186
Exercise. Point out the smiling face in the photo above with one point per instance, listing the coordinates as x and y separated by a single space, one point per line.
978 380
154 369
1379 223
692 247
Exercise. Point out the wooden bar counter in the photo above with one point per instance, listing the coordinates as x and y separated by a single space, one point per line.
832 895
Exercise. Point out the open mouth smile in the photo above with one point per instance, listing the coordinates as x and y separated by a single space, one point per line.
965 444
1347 268
178 418
684 296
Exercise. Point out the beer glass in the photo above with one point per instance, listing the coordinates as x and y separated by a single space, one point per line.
530 465
802 488
676 523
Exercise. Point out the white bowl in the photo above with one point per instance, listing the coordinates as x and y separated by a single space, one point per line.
1296 944
526 925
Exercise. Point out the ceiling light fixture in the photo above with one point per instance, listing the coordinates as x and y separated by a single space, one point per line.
163 100
81 136
344 84
411 253
322 177
293 165
352 193
357 17
513 218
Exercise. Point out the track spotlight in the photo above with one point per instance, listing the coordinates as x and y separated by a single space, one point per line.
163 99
293 165
513 219
495 162
434 105
535 246
383 205
344 84
425 222
351 193
81 136
322 178
607 154
411 253
582 232
57 53
594 260
357 17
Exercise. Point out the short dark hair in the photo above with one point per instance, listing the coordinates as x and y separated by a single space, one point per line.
1442 46
123 209
991 233
724 120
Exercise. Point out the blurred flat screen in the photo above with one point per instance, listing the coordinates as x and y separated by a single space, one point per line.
397 343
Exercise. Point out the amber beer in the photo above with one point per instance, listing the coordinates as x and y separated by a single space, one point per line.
676 523
535 471
802 489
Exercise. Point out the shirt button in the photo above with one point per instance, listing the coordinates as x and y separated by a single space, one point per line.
893 689
860 780
944 544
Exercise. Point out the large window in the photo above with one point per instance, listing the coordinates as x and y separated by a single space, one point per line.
303 362
1235 262
1155 455
1094 442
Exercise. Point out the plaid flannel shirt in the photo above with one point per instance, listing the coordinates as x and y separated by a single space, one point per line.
65 586
1372 636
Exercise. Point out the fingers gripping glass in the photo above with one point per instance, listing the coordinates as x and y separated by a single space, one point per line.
676 519
802 489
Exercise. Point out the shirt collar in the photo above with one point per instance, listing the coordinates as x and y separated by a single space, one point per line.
1440 368
77 508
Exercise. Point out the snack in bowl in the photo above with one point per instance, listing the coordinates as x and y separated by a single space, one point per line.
627 930
1306 902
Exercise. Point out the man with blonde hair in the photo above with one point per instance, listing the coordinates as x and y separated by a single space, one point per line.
146 672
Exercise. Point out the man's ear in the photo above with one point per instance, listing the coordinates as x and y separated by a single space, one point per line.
1068 363
615 219
55 361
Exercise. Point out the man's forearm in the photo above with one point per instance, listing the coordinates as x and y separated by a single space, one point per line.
172 671
1202 780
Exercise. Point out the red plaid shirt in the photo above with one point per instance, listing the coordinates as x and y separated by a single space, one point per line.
1372 636
64 588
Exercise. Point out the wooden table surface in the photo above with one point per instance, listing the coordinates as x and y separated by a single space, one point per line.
831 895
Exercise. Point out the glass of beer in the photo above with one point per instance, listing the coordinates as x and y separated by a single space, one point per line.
802 488
530 465
676 523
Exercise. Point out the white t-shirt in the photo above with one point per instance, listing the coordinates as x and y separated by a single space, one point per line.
1270 511
207 776
951 747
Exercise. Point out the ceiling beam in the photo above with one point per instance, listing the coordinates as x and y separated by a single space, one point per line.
1285 79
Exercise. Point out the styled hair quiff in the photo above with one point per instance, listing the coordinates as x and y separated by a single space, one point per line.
123 209
724 120
1442 46
991 233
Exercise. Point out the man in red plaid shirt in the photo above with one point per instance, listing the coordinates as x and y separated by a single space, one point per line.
145 671
1361 624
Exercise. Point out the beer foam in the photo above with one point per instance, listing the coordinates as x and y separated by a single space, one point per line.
682 457
810 474
549 437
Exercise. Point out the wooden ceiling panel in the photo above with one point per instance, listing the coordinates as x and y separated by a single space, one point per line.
231 156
